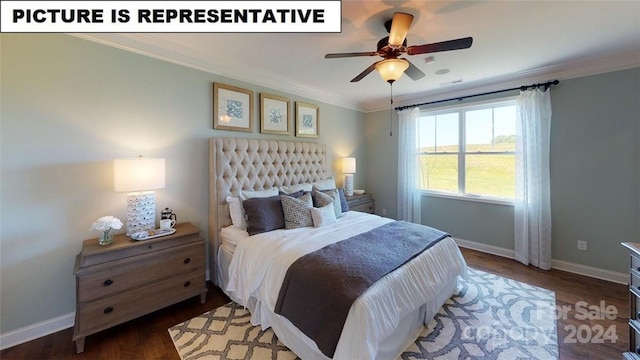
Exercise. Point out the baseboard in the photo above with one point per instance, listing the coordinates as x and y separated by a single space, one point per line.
32 332
602 274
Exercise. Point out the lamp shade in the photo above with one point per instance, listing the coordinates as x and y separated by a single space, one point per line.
349 165
139 174
392 69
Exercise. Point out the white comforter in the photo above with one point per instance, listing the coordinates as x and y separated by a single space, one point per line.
260 262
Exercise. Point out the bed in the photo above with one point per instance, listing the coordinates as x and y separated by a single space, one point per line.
382 321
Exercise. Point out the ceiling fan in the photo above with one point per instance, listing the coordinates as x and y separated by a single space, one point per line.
394 45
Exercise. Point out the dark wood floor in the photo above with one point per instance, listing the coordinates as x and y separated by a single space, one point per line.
148 338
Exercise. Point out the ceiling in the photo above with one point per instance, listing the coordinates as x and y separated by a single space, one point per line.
513 41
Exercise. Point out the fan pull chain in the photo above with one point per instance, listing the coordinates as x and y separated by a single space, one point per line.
391 111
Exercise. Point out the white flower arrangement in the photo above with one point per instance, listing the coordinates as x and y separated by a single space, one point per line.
106 223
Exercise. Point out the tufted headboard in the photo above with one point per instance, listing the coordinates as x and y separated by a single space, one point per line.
252 164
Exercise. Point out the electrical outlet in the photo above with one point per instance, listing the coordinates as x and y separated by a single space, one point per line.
384 211
582 245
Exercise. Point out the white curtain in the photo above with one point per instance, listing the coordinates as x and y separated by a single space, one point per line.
409 198
533 201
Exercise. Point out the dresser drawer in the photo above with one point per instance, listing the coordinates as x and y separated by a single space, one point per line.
635 262
139 271
123 247
635 327
103 313
366 207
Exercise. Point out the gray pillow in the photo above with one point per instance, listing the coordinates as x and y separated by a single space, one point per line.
325 197
263 214
343 201
297 211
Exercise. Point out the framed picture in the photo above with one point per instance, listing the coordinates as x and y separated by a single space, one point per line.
307 120
232 108
274 114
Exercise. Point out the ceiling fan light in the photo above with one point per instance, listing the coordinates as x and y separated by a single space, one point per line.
392 69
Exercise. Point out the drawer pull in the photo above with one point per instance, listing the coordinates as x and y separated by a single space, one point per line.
187 260
108 310
187 283
149 247
107 282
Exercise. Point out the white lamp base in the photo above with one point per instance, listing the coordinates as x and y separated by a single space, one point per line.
141 211
348 184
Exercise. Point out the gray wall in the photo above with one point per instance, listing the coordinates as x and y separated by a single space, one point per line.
69 107
595 175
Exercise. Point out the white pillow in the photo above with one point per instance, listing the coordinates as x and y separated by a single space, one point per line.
326 184
295 188
236 212
323 216
248 194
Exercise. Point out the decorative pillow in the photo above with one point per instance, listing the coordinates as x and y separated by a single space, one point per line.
236 212
326 184
295 188
322 198
343 201
296 194
297 211
263 214
323 216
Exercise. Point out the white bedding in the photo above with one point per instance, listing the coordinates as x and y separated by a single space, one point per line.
260 262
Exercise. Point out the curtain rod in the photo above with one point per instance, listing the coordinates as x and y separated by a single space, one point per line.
521 88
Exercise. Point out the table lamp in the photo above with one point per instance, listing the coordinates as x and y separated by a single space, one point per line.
348 168
139 176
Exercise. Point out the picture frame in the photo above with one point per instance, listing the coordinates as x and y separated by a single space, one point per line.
307 120
274 114
232 108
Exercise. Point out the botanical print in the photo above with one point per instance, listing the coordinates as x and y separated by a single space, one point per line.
234 108
275 115
307 121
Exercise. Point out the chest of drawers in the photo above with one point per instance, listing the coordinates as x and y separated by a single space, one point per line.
634 301
362 203
127 279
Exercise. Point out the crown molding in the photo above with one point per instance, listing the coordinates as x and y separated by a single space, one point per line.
564 71
150 46
175 53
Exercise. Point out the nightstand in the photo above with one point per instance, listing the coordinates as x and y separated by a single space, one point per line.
127 279
362 203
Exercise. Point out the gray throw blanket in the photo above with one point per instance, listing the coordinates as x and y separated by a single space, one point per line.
319 288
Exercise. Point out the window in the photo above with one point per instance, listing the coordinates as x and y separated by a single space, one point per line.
469 151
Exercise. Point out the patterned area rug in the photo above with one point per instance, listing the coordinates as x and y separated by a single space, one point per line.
489 317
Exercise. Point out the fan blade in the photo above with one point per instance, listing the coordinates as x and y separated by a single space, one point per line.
456 44
413 72
344 55
399 28
366 72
